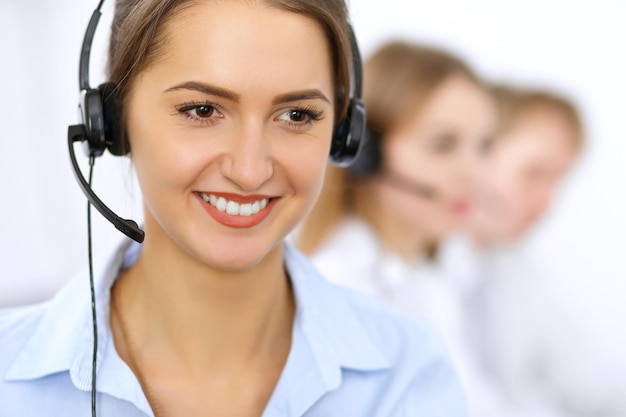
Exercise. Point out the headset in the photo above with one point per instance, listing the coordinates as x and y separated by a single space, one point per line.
369 159
101 129
350 134
369 163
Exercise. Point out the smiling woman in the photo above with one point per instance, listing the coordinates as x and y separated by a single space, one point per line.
229 111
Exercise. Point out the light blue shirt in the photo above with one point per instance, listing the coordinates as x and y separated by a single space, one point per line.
351 356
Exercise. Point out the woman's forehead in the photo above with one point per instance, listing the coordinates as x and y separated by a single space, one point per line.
244 45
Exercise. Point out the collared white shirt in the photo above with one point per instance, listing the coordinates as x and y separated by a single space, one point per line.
351 356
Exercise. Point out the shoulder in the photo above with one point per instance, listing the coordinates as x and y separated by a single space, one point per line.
397 358
418 379
406 340
18 324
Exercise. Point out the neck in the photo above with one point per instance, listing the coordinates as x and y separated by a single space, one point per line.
485 235
186 313
390 230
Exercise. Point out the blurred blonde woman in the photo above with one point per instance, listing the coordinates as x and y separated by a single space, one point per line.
429 118
377 227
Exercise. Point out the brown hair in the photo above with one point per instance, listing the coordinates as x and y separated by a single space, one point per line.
137 39
398 78
515 103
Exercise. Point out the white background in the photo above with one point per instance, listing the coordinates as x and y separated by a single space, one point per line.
575 47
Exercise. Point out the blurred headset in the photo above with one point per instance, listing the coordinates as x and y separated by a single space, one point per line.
369 163
369 159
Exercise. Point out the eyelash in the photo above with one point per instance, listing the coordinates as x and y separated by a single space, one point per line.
186 108
310 113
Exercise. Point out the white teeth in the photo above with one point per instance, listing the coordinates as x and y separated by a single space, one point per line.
245 209
233 208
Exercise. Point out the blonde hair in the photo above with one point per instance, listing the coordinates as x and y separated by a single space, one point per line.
515 103
398 78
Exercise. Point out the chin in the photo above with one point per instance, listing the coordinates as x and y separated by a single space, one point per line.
235 265
238 262
447 230
237 258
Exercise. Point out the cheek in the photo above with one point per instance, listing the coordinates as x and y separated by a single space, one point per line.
400 154
310 152
404 158
164 154
425 168
166 164
305 166
424 217
501 177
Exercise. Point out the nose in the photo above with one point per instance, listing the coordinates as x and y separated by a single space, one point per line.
247 162
468 167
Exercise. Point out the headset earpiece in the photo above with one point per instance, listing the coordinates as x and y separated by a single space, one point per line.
348 135
101 116
90 106
111 112
369 159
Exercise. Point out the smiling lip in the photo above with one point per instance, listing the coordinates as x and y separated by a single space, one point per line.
236 214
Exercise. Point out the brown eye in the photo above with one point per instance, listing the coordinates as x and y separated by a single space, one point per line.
204 111
301 116
297 116
200 112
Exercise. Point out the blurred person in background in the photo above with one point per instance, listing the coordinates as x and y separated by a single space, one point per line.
530 337
377 226
540 135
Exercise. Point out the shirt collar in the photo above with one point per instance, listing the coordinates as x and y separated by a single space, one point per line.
336 343
63 339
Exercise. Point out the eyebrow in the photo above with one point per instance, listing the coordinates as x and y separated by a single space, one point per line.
301 95
206 89
311 94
